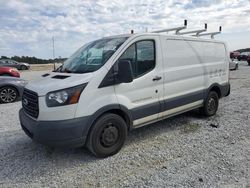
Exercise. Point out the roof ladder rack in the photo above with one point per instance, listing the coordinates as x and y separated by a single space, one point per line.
212 33
176 29
195 31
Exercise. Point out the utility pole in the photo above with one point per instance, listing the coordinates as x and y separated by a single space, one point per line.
53 43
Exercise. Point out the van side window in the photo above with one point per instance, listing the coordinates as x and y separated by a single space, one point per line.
130 55
142 57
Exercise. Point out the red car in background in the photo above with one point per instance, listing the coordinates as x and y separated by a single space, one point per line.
234 54
9 71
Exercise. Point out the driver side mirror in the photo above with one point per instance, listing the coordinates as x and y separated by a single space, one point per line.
125 73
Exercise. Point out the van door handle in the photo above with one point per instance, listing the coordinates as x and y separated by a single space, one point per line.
156 78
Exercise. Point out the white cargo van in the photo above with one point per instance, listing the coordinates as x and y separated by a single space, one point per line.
113 85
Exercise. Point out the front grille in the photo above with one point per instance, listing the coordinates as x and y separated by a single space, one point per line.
30 103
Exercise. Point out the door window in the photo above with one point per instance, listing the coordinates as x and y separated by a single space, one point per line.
142 57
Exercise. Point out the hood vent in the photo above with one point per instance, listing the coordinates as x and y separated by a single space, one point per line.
60 77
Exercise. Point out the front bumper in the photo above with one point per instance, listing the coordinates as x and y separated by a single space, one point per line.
63 133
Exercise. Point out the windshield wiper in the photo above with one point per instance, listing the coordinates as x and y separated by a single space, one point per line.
80 72
62 71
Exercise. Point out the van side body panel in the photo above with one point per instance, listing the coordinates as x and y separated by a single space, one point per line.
189 67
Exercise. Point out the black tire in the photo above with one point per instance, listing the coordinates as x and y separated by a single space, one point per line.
248 63
8 94
23 67
107 135
211 104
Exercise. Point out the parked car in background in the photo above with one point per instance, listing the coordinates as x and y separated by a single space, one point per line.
248 60
12 63
11 89
233 65
234 54
9 71
243 56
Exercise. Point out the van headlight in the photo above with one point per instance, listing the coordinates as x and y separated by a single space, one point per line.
64 96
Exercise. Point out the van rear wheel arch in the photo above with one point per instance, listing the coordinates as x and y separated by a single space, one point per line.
216 88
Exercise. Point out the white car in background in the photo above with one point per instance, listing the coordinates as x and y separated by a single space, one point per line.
233 64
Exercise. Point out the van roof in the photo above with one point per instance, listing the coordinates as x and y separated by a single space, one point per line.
167 35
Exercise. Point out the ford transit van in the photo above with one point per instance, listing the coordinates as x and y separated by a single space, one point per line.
115 84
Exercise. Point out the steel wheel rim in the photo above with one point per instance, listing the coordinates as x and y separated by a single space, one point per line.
211 105
8 95
109 135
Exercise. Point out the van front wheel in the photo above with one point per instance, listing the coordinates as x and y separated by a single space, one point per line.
107 135
210 104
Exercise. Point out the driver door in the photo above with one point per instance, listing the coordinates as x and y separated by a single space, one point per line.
142 95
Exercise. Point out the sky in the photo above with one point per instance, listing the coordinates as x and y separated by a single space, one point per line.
27 26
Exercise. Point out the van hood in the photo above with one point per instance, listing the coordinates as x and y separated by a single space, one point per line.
55 81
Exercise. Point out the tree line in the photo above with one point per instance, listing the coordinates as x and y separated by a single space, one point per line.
34 60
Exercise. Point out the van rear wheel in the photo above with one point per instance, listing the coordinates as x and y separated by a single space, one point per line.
107 136
211 104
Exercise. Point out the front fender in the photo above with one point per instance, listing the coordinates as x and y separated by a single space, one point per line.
105 109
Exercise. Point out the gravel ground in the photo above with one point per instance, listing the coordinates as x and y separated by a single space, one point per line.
184 151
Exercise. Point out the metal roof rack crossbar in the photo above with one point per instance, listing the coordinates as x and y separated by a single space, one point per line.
198 32
212 34
176 29
195 31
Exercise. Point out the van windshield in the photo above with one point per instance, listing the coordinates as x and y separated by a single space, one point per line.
92 56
